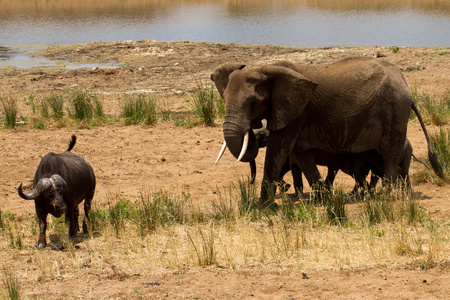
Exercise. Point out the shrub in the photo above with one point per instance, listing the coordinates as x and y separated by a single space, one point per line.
204 104
139 109
247 200
9 105
84 105
335 206
56 103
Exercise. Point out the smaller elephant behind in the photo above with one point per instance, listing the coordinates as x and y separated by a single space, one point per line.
356 165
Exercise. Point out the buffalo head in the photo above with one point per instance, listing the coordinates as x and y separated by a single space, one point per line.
50 190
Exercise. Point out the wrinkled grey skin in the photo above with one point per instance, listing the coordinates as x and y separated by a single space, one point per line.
351 106
61 182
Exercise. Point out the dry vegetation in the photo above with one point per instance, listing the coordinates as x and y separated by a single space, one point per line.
169 223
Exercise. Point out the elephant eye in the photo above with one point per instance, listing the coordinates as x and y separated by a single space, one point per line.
254 101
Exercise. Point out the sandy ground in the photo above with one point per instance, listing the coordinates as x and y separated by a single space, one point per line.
130 159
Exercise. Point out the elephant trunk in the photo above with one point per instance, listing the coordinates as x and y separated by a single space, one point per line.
235 135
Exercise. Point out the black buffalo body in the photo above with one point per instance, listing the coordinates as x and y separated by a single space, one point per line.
62 181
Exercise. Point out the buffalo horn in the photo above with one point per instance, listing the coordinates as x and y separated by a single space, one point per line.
42 185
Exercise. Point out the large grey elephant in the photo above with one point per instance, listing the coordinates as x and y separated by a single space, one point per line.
353 105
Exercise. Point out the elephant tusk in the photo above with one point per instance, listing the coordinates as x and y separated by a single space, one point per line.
224 146
264 123
244 146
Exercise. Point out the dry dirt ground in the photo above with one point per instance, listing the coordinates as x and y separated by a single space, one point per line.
130 159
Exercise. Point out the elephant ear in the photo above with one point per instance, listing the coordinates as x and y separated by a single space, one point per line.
291 92
221 74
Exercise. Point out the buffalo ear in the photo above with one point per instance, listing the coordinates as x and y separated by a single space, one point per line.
290 93
221 74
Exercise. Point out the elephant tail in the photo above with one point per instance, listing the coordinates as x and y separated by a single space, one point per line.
431 154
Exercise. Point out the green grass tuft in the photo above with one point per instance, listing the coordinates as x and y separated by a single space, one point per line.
11 283
435 110
84 105
440 142
10 110
139 109
206 104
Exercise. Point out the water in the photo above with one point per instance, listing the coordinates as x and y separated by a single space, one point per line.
309 23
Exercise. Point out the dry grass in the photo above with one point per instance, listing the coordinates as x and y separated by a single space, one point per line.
273 242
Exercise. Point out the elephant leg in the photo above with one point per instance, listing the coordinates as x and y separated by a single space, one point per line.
405 163
391 173
297 176
374 178
284 186
331 175
252 171
391 159
361 169
306 162
278 149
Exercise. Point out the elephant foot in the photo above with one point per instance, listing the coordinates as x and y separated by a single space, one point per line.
267 204
284 186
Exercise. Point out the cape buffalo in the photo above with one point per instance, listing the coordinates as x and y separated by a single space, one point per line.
62 181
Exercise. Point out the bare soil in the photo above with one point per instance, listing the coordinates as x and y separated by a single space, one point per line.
130 159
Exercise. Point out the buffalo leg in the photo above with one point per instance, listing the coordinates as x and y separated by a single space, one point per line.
42 216
72 220
87 208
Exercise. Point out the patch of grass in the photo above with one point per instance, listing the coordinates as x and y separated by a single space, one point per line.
204 104
394 49
119 210
204 246
84 105
335 206
435 110
44 108
164 110
139 109
247 200
412 68
159 209
299 233
11 283
56 103
15 236
150 212
391 204
98 218
440 142
10 110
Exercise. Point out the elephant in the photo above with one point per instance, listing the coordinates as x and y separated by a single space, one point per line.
354 105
